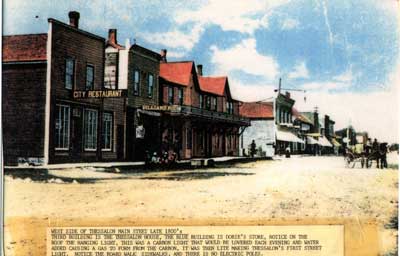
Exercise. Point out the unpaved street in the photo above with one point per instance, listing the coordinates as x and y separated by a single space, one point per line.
306 189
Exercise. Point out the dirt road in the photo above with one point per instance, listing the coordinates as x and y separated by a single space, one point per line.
303 189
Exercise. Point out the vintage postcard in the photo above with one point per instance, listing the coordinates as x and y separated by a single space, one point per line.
200 128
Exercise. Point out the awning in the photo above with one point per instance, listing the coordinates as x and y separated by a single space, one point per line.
315 134
323 141
311 141
287 136
335 143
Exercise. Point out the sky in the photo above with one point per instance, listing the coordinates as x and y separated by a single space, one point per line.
342 55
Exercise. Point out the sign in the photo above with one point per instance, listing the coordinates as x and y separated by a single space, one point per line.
99 94
173 108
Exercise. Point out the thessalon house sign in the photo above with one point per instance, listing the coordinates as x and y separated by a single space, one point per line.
99 94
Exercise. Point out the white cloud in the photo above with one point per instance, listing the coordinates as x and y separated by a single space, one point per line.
251 92
325 86
244 57
375 112
345 77
176 39
289 23
242 16
299 71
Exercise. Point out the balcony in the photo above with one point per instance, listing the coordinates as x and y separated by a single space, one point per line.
203 114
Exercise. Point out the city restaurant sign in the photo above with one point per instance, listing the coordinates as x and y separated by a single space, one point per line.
99 94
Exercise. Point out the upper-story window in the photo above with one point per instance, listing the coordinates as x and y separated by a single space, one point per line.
136 82
69 73
214 103
229 107
170 95
208 102
89 77
201 101
180 96
150 85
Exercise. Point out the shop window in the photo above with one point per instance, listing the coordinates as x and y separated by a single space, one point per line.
62 127
170 95
150 85
180 96
90 129
136 82
89 77
69 73
107 131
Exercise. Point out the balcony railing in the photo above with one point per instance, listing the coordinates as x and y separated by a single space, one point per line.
209 114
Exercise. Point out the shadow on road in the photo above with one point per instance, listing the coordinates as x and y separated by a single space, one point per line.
195 175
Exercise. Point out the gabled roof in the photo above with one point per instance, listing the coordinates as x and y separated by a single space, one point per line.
23 48
177 72
257 110
214 85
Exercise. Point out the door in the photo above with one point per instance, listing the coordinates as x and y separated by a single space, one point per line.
120 142
77 134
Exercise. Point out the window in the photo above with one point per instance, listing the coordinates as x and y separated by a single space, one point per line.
90 129
62 127
229 107
69 73
107 131
89 77
180 95
170 95
201 103
208 102
214 103
150 85
136 82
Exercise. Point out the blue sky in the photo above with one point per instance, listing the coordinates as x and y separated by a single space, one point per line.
333 49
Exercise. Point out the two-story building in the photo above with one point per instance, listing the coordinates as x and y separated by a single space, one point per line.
286 133
136 69
55 107
199 116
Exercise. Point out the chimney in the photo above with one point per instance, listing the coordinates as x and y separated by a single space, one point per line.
163 55
74 19
200 70
287 94
112 36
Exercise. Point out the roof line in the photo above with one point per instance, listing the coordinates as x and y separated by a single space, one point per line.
31 34
77 29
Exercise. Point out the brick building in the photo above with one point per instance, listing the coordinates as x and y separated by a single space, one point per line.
199 118
55 106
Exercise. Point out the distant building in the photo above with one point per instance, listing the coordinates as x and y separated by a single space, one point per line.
261 130
286 133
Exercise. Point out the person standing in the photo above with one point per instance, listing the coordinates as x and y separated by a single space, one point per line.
253 148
